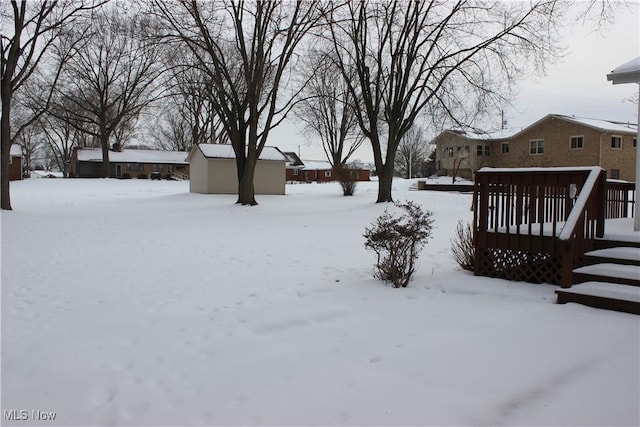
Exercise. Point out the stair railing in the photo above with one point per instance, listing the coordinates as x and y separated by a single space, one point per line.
520 215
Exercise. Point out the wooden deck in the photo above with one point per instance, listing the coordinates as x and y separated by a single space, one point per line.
549 226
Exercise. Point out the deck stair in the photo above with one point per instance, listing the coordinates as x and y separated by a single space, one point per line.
610 279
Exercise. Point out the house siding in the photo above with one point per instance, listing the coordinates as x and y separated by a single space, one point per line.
556 133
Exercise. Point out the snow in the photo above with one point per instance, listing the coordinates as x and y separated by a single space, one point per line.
316 165
135 302
627 253
15 151
607 290
621 230
225 151
604 125
134 156
630 272
629 72
541 169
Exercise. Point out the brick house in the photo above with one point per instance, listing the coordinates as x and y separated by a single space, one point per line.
553 141
87 163
15 163
318 170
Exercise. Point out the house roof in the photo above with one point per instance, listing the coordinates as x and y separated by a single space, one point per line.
292 158
629 72
133 156
599 124
225 151
504 134
16 151
316 165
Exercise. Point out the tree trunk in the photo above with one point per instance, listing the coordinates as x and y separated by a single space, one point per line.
246 189
5 148
104 142
385 181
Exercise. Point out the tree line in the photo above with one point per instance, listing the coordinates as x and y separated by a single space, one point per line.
182 72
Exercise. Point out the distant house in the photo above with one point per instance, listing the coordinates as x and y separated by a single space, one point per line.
214 171
127 163
15 163
553 141
319 171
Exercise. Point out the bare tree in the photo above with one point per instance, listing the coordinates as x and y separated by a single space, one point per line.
245 48
446 59
327 110
28 31
412 151
111 77
189 117
62 136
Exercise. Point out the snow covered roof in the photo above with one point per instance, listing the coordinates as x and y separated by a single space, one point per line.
629 72
134 156
602 125
503 134
16 151
225 151
316 165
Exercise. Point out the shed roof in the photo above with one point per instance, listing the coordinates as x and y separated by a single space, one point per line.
225 151
134 156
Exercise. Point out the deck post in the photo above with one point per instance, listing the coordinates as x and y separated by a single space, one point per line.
602 205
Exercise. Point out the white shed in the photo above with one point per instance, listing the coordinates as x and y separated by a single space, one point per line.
213 170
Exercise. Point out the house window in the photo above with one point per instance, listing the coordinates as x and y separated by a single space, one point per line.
134 167
635 142
615 173
296 172
327 174
479 150
447 152
466 148
505 148
458 149
536 147
156 167
616 142
487 150
576 142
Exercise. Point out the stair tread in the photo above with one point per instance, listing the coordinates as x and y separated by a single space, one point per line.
605 290
630 272
626 253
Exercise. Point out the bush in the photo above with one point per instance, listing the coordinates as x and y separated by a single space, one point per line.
462 246
397 241
347 177
143 176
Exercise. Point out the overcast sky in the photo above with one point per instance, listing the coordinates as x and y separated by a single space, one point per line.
577 85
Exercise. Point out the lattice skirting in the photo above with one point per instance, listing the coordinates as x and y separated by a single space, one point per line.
518 265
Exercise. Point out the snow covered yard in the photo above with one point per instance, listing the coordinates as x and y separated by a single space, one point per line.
137 303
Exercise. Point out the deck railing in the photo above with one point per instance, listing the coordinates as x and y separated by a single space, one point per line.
520 215
620 199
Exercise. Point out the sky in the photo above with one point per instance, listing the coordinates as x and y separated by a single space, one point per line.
575 85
